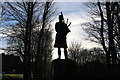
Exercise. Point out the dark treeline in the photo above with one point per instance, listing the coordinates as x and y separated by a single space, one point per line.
27 26
104 28
91 63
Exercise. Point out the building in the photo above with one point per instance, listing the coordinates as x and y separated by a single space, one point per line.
11 64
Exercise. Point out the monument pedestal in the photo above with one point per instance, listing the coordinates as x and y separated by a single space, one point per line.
63 69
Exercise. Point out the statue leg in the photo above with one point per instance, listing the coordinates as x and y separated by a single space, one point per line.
59 53
65 53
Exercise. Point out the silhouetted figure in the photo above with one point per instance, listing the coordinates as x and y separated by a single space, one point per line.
62 69
62 30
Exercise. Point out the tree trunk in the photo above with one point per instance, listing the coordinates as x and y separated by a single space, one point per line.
102 37
38 62
118 21
27 74
110 17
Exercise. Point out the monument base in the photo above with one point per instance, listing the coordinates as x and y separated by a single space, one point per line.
63 69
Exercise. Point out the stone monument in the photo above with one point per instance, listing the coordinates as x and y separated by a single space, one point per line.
62 69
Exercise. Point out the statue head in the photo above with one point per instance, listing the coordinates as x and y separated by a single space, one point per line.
61 17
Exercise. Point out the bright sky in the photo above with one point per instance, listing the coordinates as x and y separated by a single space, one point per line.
76 13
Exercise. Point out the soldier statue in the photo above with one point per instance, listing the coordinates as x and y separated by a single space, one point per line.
60 41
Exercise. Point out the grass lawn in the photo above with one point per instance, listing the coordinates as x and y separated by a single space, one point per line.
18 76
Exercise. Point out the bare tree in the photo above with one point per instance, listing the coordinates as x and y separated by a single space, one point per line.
81 55
74 51
104 27
31 25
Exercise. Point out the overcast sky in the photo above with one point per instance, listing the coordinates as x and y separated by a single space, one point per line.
76 13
